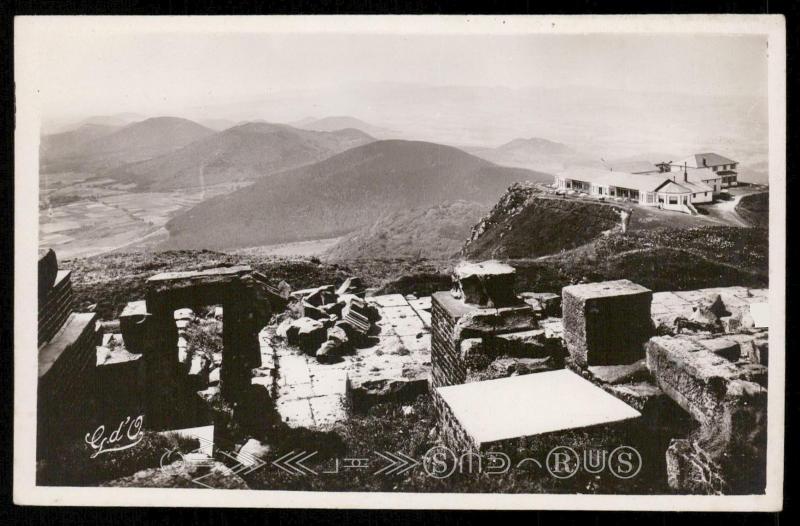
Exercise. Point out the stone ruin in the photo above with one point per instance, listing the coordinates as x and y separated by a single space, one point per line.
313 352
155 329
66 355
336 349
685 370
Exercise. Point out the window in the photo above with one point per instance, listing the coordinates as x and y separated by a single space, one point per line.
673 200
713 168
706 194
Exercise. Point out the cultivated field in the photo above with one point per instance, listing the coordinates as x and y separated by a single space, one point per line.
81 217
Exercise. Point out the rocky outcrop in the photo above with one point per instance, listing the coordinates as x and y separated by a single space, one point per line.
528 223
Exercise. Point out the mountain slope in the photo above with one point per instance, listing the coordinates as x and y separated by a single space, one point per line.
241 153
131 143
340 194
59 145
432 233
527 223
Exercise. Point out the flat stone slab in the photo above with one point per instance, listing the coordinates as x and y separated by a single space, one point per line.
218 272
553 327
666 306
75 328
107 356
423 303
530 405
203 434
134 308
390 300
760 314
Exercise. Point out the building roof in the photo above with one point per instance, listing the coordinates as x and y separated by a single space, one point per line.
711 159
642 182
696 186
634 167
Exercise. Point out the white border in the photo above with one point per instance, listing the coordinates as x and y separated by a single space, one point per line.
29 31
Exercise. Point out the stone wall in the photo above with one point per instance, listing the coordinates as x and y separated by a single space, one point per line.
727 453
56 306
66 381
447 366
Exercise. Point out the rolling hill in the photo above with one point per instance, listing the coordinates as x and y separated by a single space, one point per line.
534 153
242 153
131 143
437 232
341 122
348 191
60 145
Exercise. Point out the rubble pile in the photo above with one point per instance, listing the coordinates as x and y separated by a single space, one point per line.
333 322
334 348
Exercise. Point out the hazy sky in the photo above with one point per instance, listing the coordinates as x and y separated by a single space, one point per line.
86 74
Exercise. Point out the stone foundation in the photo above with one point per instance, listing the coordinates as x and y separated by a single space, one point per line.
727 453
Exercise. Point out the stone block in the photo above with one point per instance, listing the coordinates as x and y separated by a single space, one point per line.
507 366
725 347
486 284
523 344
701 382
692 470
313 312
487 321
352 285
253 452
330 351
547 303
133 324
620 374
321 296
485 413
606 323
47 271
306 333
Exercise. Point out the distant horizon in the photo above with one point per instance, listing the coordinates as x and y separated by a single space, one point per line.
191 113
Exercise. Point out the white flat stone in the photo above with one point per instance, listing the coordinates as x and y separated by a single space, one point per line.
532 404
760 314
390 300
203 434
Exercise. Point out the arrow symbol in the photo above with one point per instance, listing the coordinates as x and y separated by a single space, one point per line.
292 463
399 463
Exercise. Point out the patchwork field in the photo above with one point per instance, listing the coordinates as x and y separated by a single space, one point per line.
81 217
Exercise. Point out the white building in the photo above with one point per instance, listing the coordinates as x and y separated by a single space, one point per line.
711 168
671 191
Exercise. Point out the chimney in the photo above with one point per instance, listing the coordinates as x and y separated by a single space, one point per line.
685 175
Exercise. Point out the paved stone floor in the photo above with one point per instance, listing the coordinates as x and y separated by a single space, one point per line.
667 305
317 396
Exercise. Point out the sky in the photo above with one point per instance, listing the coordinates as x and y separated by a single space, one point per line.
87 73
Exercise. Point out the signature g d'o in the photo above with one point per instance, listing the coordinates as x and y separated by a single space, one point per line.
117 440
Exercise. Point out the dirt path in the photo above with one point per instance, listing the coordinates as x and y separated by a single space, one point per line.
725 211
